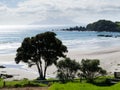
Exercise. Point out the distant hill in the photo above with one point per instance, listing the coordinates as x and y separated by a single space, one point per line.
101 25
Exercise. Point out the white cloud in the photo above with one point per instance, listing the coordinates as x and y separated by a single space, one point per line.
59 11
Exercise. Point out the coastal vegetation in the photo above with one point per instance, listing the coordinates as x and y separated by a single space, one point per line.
44 48
100 25
82 86
20 83
67 69
90 69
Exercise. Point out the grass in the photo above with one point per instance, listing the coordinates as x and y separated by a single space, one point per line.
100 83
82 86
21 83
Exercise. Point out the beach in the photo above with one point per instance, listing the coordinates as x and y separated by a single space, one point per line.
109 60
109 57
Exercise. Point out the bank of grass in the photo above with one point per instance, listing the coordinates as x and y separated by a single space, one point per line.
100 83
82 86
21 83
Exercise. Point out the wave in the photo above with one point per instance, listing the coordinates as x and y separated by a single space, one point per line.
93 43
9 48
81 44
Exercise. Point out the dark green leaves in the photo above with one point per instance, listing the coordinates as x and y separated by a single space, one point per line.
44 47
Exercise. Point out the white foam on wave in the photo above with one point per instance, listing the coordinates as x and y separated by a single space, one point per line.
8 45
93 43
9 48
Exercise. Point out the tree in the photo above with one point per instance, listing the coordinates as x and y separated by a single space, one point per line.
90 69
41 49
67 69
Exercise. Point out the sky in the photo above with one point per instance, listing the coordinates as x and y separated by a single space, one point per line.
57 12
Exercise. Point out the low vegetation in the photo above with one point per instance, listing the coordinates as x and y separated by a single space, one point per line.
82 86
67 69
20 83
90 69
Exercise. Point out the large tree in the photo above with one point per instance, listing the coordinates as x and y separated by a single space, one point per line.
44 48
67 69
90 69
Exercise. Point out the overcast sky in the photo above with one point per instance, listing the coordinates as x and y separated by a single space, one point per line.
24 12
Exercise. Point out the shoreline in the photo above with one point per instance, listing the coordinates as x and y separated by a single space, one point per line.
109 60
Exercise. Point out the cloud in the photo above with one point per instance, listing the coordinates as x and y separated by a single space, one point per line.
59 11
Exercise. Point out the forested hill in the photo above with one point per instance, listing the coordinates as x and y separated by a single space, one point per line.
101 25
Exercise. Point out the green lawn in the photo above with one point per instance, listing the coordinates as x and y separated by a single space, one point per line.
21 83
82 86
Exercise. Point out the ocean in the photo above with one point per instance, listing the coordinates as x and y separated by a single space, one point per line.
11 38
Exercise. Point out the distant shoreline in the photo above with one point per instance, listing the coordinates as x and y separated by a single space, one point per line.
101 25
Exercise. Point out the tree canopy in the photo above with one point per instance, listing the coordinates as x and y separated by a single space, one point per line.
90 69
44 48
67 69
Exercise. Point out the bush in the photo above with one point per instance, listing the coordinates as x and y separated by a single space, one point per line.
67 69
90 69
17 85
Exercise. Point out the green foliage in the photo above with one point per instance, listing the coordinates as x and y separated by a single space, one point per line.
82 86
103 81
41 49
67 69
90 69
103 25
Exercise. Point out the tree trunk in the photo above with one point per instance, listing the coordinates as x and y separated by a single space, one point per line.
45 70
39 71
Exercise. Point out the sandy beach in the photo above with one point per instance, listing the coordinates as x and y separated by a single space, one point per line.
109 57
109 60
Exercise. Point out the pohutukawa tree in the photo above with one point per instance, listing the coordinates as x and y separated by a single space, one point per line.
41 49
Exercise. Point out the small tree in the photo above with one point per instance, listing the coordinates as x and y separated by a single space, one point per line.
41 49
90 69
67 69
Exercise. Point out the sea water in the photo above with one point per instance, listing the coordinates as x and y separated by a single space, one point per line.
12 37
